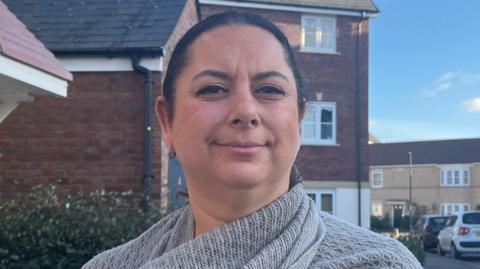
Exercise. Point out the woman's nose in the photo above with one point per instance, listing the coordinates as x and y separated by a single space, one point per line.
244 110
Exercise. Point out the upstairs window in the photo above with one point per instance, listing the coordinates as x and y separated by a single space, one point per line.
377 179
319 124
455 176
318 34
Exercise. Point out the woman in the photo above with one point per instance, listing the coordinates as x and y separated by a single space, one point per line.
231 114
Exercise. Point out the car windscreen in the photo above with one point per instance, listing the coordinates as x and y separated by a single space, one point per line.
471 218
437 223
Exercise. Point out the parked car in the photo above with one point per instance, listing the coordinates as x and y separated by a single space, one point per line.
461 234
427 229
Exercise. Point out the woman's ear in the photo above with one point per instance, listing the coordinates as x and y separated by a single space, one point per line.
163 119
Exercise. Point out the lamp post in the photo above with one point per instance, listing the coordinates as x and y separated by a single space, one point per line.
410 192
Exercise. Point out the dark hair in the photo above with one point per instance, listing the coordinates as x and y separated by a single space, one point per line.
180 54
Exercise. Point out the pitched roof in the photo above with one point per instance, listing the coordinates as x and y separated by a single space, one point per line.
99 25
357 5
426 152
18 43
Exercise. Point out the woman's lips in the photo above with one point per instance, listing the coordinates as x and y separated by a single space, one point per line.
242 148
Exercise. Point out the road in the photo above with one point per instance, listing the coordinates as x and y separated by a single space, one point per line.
434 261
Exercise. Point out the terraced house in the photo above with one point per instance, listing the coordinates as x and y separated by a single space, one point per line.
101 133
445 177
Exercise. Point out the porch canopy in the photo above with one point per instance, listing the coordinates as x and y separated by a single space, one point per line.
27 68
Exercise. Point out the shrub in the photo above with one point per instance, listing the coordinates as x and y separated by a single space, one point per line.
414 247
380 224
40 230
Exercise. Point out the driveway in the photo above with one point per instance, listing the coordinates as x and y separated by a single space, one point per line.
434 261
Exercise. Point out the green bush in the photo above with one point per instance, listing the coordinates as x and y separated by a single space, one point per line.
40 230
414 247
380 224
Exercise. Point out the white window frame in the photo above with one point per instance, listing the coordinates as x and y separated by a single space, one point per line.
317 140
448 176
318 198
318 21
448 209
377 204
378 172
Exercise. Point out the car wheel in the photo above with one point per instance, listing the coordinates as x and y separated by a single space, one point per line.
455 253
440 250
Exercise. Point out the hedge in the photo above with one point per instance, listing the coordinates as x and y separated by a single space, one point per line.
42 230
415 247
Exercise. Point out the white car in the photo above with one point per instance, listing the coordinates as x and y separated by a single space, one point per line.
461 234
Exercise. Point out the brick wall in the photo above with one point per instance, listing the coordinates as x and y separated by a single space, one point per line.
336 77
91 139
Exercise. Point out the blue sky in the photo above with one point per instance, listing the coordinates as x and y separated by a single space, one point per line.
425 70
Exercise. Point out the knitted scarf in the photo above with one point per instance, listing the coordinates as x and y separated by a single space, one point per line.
288 233
284 234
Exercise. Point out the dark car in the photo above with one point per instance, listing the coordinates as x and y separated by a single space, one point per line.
427 229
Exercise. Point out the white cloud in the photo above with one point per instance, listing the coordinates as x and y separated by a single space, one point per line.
472 105
448 81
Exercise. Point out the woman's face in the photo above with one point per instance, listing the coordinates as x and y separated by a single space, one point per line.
236 119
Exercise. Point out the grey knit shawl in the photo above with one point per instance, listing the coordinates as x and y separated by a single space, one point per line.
288 233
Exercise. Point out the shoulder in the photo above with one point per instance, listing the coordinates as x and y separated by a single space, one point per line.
350 246
140 250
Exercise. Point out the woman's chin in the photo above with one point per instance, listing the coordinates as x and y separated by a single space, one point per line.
242 177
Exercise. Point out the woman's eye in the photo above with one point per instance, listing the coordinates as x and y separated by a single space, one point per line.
271 90
211 90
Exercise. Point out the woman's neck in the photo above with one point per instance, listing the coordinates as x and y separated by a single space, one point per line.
212 211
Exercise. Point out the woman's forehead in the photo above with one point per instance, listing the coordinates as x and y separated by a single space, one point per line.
230 45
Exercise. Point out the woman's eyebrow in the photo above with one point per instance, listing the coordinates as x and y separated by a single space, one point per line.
211 73
264 75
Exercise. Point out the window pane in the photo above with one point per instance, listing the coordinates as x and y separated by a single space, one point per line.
457 207
310 115
326 40
457 177
466 207
326 131
465 177
449 177
327 202
327 116
308 130
310 32
313 196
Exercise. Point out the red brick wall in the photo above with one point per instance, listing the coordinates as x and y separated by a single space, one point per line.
336 77
91 139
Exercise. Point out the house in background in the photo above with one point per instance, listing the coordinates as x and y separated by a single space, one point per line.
330 41
445 177
100 135
27 68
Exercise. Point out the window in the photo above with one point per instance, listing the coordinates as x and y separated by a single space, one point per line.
324 199
377 179
377 208
455 176
319 124
318 34
452 208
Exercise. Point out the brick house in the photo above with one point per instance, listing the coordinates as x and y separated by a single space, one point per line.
21 53
330 39
100 135
445 177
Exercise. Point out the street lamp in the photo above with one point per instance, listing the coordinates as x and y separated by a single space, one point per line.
410 192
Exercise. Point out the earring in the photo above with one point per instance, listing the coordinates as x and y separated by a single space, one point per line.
172 154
